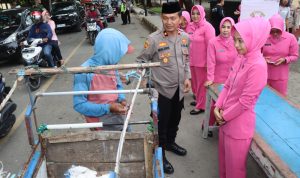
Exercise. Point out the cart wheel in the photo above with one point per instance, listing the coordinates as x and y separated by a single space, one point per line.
34 83
5 128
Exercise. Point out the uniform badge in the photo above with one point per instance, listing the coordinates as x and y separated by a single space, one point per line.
184 41
146 44
163 44
165 60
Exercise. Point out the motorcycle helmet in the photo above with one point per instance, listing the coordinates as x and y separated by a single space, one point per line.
92 7
36 16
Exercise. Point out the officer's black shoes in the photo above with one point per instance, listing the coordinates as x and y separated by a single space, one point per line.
168 168
195 112
173 147
193 103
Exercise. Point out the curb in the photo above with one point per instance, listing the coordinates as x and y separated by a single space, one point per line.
140 14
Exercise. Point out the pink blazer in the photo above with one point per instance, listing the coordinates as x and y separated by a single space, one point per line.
220 56
285 46
200 34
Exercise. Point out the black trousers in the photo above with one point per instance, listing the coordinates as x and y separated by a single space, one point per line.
124 17
168 118
56 50
127 13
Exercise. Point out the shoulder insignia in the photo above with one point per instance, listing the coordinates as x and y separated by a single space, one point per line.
146 44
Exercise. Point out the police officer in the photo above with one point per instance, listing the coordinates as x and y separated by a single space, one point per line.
169 46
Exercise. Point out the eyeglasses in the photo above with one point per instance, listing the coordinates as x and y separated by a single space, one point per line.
275 31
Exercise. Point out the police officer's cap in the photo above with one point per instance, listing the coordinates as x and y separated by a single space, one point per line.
170 8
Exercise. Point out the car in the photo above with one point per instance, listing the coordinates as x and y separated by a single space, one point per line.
107 12
68 14
14 26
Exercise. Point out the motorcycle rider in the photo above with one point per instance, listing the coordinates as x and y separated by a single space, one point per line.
42 30
94 13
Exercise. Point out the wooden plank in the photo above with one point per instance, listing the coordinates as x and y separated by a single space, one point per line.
74 70
273 165
95 151
127 170
148 151
89 136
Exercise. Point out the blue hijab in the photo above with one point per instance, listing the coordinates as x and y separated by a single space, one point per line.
110 46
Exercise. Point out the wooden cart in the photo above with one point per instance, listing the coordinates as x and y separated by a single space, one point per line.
96 151
105 151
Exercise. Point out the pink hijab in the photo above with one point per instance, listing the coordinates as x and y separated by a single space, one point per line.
277 22
254 32
187 16
226 40
202 20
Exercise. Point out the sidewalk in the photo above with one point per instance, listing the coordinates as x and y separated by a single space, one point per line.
153 22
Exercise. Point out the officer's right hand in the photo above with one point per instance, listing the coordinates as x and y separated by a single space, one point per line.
118 108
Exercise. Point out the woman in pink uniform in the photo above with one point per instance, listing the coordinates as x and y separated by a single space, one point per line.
279 51
200 32
220 57
235 106
185 20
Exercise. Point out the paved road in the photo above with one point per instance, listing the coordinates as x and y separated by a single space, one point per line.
201 161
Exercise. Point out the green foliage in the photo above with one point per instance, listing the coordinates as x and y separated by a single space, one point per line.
156 10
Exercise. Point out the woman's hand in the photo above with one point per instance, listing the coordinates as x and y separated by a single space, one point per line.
219 118
268 60
280 61
118 108
208 83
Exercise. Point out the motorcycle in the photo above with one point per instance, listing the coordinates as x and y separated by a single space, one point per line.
32 55
7 118
92 30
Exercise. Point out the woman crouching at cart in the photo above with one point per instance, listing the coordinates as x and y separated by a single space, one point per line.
235 106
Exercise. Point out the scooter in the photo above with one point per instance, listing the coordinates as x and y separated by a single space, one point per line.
7 118
32 55
92 30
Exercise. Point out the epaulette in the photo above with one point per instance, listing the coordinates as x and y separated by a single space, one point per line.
157 32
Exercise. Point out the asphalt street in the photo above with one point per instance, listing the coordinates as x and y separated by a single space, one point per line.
201 160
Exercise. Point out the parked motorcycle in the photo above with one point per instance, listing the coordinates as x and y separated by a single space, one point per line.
32 55
7 118
92 30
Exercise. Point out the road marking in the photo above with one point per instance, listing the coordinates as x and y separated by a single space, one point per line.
21 116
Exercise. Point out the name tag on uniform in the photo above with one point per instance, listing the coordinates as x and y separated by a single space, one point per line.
221 50
162 49
185 51
268 44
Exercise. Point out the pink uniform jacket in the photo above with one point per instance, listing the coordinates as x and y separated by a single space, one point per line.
284 47
221 54
245 82
200 33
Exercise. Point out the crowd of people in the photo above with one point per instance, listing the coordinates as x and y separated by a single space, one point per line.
194 55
